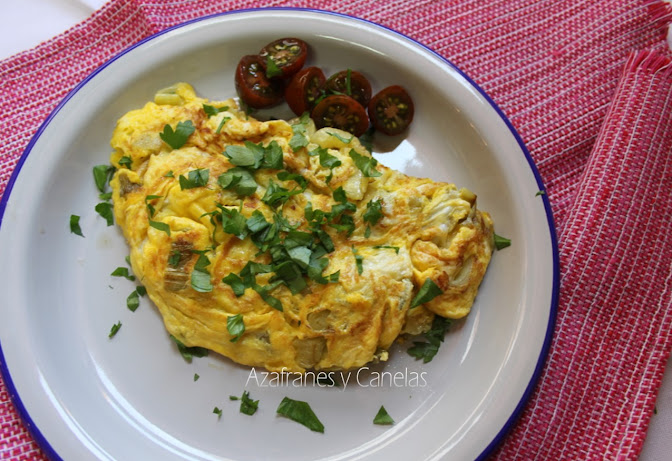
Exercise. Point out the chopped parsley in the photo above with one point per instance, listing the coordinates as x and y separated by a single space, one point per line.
123 272
247 405
272 69
300 411
341 138
255 156
104 209
114 330
74 225
239 180
161 226
102 175
373 214
178 137
197 377
367 139
133 300
150 208
389 247
426 350
382 417
200 276
126 161
326 160
359 261
541 192
212 110
501 242
299 139
367 165
216 410
195 178
428 291
236 326
188 353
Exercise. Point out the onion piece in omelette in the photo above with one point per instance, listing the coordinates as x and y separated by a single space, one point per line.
300 234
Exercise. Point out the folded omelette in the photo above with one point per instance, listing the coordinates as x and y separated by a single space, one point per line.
280 246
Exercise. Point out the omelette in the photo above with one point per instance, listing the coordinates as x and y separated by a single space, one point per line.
282 246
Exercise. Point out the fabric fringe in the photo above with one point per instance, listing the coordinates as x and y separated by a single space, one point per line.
650 61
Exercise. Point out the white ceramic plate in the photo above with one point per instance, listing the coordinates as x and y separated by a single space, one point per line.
133 397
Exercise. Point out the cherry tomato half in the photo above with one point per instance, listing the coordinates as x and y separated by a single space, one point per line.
288 55
342 112
304 89
252 85
391 110
351 83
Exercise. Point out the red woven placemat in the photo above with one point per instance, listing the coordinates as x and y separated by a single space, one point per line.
588 85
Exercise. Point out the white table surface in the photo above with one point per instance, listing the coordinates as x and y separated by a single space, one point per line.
26 23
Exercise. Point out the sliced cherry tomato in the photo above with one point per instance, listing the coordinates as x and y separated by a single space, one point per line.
252 85
352 83
342 112
304 89
391 110
288 55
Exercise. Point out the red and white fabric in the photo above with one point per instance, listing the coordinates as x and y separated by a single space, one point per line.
588 85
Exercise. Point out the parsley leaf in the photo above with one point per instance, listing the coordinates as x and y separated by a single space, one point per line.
104 209
216 410
102 175
236 284
300 412
367 165
257 222
200 276
374 212
178 137
188 353
238 179
114 330
367 139
126 161
272 69
212 110
299 139
389 247
341 138
236 326
359 261
163 227
123 272
427 350
195 178
501 242
74 225
382 417
133 301
428 291
247 405
150 208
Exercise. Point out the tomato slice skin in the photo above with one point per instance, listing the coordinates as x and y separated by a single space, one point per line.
342 112
252 85
351 83
304 89
289 55
391 110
